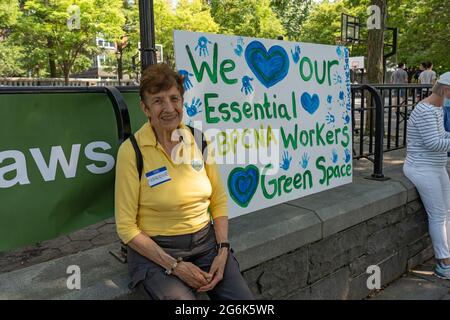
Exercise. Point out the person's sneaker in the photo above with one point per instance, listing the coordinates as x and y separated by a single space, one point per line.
442 271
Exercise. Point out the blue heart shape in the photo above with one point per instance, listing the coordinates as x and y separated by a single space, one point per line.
270 67
310 104
242 184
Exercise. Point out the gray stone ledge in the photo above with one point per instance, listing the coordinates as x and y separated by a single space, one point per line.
353 203
271 232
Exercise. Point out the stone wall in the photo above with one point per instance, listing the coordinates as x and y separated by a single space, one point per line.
335 267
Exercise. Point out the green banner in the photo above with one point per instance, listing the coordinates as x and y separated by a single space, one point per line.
57 160
137 117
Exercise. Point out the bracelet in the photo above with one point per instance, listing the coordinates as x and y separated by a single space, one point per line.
175 264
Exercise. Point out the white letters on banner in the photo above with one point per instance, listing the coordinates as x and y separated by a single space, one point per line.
48 168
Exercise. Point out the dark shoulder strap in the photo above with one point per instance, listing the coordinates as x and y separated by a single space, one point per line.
139 159
200 139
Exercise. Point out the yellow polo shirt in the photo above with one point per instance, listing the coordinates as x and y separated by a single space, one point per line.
174 204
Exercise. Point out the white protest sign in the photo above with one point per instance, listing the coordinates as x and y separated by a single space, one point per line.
278 113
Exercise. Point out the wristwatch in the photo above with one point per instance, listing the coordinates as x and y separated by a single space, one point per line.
223 245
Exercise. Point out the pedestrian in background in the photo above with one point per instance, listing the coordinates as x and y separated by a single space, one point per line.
400 76
428 76
418 72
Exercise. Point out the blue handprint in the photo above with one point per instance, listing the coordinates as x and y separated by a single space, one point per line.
286 161
329 98
194 108
305 160
337 79
346 118
330 118
340 52
296 54
348 156
239 47
246 85
341 98
187 84
202 46
334 156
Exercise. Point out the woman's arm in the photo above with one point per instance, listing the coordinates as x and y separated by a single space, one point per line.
126 195
148 248
428 128
221 229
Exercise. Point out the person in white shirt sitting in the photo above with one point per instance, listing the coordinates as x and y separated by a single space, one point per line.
425 165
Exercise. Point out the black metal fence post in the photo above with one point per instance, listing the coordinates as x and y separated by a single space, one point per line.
379 130
147 28
379 133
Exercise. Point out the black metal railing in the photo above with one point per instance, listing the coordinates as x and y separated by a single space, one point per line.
379 119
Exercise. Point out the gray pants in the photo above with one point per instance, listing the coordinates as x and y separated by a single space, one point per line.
198 248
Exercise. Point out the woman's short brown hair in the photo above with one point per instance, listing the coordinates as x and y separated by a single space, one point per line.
159 77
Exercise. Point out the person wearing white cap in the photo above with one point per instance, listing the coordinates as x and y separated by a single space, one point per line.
425 165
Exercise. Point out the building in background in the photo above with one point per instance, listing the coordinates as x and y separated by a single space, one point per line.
104 64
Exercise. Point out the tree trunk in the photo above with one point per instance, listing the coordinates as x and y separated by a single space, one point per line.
375 48
51 60
119 65
66 71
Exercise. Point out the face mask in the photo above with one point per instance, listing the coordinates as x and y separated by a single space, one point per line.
446 103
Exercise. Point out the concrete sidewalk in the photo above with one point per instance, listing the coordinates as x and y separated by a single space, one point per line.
97 235
418 284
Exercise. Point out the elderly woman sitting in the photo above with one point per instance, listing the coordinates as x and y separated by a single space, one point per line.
174 249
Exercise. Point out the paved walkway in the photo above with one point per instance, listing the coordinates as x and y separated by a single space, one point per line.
96 235
418 284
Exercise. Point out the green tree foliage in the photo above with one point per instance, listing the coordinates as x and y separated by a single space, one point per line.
423 28
323 23
9 52
292 14
43 30
191 15
9 13
36 40
253 18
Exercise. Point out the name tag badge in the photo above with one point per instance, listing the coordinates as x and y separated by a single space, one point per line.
157 176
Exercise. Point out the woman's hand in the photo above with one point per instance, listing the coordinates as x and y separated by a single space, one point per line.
192 275
217 269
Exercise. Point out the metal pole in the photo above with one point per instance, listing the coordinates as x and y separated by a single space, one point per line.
147 28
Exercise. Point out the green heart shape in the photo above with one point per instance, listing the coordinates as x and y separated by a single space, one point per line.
242 184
